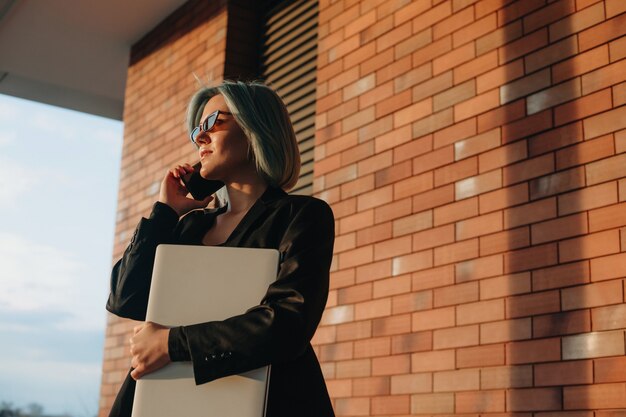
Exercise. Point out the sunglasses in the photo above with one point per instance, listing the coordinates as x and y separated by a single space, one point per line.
205 126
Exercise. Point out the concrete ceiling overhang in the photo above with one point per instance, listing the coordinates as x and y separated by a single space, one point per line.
74 53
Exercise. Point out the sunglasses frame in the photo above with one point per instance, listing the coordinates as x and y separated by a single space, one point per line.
206 126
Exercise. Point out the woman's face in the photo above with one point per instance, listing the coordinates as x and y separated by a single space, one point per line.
224 149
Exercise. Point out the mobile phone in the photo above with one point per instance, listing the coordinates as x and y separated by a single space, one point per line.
199 187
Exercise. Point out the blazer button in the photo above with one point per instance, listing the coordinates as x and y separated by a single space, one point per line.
214 356
206 358
228 354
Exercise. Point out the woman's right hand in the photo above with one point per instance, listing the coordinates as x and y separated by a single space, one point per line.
174 193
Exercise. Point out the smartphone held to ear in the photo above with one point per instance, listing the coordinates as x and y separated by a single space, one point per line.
198 187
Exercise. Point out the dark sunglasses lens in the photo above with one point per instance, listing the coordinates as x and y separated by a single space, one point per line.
209 121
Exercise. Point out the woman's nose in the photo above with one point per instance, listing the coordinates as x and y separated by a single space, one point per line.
203 137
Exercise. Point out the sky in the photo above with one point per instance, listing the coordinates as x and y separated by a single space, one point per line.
59 174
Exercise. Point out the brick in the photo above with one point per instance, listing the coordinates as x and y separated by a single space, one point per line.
583 107
593 345
498 37
432 160
559 324
413 112
354 294
458 380
504 285
366 387
479 184
375 198
431 15
415 42
378 61
502 198
610 369
415 147
534 351
577 22
599 34
555 139
558 183
604 123
617 49
480 402
607 217
456 294
530 213
549 14
373 234
455 337
530 258
528 126
456 252
453 58
561 276
354 330
581 63
392 211
432 319
414 342
415 76
432 86
619 94
502 156
523 46
550 97
437 360
518 9
336 351
588 198
409 384
371 96
434 198
559 228
426 54
432 403
531 399
356 257
392 247
412 262
392 286
352 406
476 105
432 123
357 186
592 295
480 356
603 77
583 153
340 279
336 315
432 278
532 304
614 7
392 104
505 331
589 246
389 39
433 237
456 171
475 67
554 53
410 302
608 267
457 94
479 226
609 317
391 365
369 348
452 23
412 223
499 76
410 11
506 377
524 86
482 311
476 144
396 404
371 309
595 396
502 115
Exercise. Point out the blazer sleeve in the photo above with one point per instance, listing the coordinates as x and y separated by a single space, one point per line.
281 327
131 275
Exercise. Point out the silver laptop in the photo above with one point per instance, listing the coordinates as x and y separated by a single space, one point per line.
196 284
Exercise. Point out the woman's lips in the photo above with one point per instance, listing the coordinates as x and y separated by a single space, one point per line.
203 152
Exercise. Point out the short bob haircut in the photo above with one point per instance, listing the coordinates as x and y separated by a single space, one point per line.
265 121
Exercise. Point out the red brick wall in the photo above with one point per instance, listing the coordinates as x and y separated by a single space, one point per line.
158 87
473 154
472 151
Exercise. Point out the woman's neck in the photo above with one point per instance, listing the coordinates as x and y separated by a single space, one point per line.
242 195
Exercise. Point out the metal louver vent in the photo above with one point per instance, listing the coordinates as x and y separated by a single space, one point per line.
288 64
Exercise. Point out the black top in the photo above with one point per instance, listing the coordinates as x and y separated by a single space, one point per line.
277 331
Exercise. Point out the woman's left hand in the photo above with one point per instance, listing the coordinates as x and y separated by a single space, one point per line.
149 349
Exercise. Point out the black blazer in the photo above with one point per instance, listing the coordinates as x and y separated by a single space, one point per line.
277 331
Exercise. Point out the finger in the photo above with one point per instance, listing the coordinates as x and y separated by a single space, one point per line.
134 362
137 329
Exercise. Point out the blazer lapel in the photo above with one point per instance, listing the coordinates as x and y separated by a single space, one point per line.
257 210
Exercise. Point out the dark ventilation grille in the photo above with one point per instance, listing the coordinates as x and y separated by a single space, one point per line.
288 64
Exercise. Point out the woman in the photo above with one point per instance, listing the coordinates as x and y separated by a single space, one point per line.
247 141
